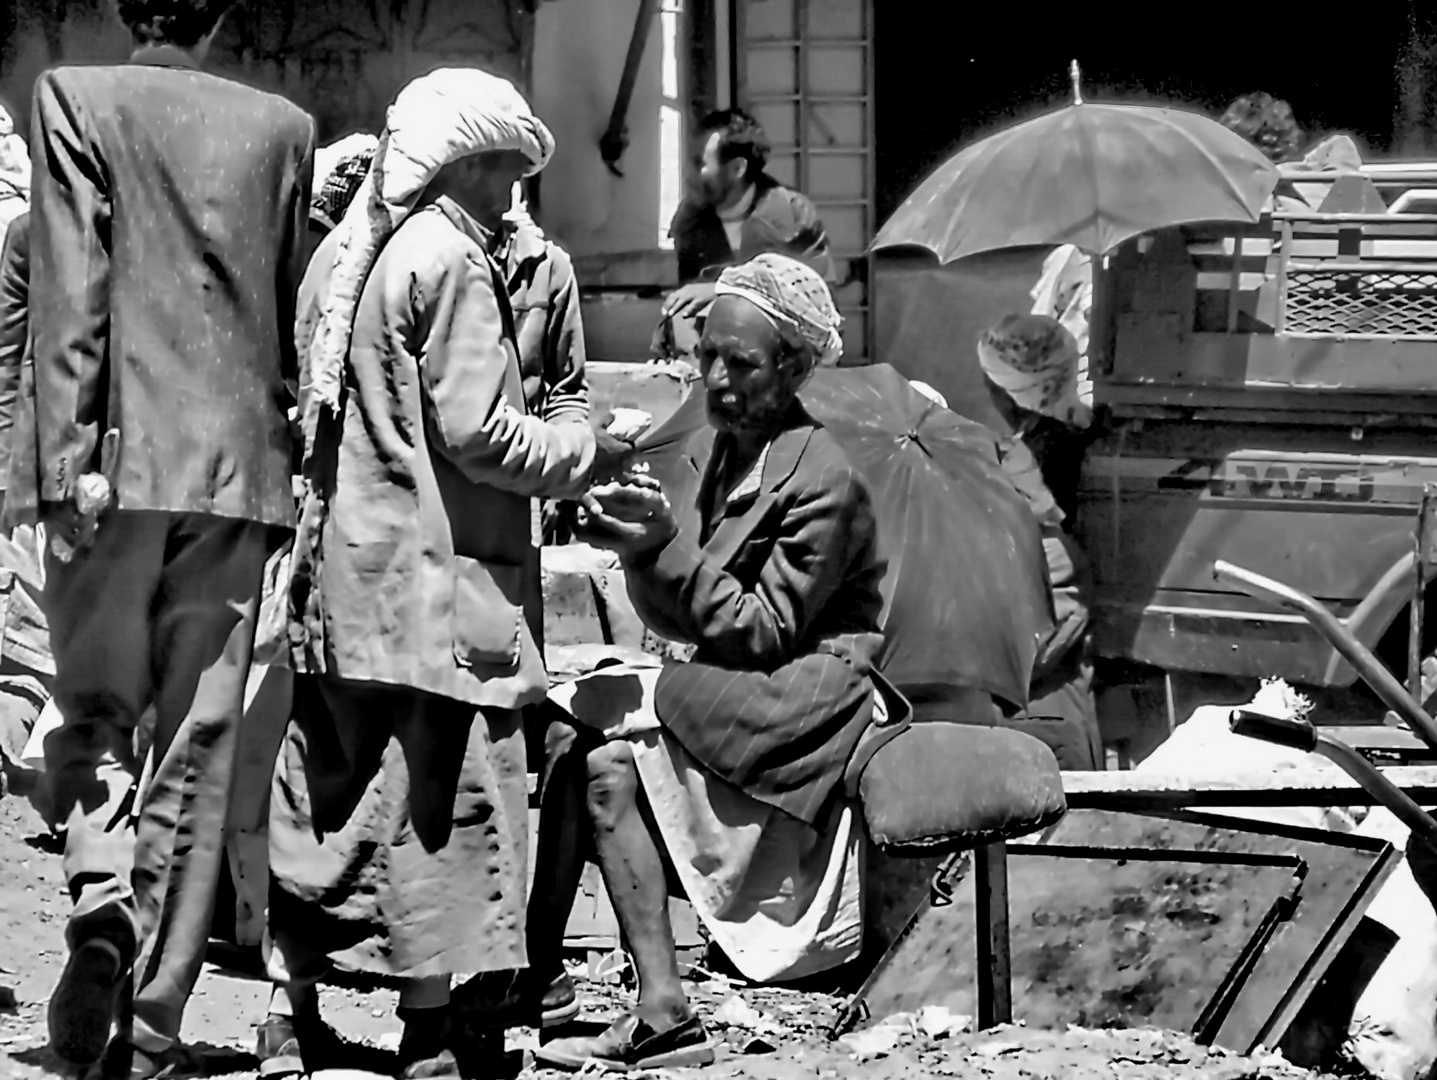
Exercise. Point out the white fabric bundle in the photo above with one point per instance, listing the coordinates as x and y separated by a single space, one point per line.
14 173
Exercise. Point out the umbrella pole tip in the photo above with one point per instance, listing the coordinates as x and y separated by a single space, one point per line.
1075 75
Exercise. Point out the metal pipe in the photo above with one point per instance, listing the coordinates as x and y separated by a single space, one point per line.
1302 736
1383 683
1417 609
615 139
1382 789
1319 218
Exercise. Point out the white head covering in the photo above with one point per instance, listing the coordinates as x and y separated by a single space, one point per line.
436 120
14 172
1035 360
794 298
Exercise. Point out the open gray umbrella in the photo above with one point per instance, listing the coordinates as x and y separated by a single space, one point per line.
966 596
1090 175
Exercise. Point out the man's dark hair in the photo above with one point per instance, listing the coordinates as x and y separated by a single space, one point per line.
740 136
1266 122
171 22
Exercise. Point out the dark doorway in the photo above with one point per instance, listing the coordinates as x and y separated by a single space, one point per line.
942 82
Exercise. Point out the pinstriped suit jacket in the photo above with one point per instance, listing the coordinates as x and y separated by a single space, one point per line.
780 594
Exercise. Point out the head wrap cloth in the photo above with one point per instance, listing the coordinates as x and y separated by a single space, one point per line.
794 298
14 172
435 121
339 170
1035 360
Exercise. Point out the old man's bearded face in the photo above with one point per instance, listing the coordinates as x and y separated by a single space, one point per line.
751 376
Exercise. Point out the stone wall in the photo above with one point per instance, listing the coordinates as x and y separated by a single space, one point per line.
343 60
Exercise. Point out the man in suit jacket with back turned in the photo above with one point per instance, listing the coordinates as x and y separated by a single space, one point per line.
167 231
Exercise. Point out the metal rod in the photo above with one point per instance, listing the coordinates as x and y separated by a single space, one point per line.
1419 593
995 978
1382 789
1283 266
615 139
1356 219
1380 179
1364 267
1099 853
1234 287
1383 683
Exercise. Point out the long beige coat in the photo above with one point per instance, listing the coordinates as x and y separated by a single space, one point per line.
413 563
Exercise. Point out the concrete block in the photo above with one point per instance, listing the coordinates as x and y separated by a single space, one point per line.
585 601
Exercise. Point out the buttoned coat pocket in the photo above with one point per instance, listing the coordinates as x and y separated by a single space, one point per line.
488 619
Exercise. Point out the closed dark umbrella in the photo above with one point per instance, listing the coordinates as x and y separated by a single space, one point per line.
966 597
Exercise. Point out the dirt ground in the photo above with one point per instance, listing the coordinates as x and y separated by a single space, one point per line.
766 1034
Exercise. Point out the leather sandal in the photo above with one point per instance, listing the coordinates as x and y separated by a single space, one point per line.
631 1045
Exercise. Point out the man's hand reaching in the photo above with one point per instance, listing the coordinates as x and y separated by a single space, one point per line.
631 516
688 300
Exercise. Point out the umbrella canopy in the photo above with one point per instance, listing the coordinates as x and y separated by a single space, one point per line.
1088 175
965 595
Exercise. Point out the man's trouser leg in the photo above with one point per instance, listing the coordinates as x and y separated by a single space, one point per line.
98 607
179 634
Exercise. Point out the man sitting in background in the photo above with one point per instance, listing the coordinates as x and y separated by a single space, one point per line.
734 211
1266 122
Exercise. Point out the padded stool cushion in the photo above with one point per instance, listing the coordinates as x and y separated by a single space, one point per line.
940 787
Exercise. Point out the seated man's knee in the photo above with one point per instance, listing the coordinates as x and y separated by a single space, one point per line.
613 780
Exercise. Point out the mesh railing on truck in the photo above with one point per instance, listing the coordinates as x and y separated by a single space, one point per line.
1319 275
1396 300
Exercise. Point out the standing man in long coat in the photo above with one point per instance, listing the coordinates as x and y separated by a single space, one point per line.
167 220
398 825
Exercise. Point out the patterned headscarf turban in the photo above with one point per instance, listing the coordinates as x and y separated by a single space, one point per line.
436 120
1035 361
794 298
339 170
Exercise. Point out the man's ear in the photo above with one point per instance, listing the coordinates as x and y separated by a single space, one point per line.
795 366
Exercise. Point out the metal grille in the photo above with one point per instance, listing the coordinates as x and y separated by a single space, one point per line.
1385 303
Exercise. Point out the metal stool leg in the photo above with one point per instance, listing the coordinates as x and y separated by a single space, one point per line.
995 968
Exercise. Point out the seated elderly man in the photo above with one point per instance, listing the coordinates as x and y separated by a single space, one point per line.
724 775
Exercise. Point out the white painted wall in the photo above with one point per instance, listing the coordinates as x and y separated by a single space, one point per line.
579 52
